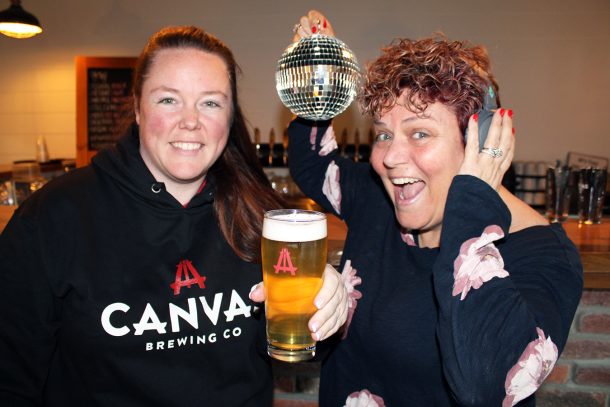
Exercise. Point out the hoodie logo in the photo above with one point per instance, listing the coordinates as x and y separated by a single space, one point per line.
186 276
284 263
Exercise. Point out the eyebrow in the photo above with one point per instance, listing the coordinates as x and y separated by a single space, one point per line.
407 120
206 93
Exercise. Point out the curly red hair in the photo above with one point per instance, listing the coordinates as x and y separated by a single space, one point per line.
430 70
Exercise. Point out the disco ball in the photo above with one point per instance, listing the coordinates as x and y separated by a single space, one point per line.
316 77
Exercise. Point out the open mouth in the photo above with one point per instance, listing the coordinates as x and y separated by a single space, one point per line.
407 189
186 146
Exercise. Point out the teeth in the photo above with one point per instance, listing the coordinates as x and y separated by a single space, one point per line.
402 181
186 146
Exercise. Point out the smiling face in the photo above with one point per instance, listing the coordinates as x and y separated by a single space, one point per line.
417 156
184 113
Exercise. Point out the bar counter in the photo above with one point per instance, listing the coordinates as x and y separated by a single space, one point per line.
592 241
6 211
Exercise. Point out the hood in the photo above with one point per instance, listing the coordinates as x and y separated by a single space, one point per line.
124 164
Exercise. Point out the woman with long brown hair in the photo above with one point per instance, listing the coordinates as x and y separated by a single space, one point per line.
127 282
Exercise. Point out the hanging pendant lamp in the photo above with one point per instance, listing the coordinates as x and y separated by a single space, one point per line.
17 23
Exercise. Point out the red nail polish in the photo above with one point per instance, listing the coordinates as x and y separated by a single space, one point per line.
510 113
475 117
314 29
324 24
513 131
501 112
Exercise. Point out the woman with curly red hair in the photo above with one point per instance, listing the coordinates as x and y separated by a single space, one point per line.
462 294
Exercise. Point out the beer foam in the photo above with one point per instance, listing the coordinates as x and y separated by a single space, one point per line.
295 226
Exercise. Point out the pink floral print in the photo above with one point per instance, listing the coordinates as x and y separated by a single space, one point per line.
407 238
478 262
312 137
363 398
328 142
350 280
534 365
331 188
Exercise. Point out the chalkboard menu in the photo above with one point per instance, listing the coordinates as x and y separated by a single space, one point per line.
103 92
108 93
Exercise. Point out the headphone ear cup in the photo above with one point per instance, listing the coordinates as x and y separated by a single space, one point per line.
484 122
485 117
485 114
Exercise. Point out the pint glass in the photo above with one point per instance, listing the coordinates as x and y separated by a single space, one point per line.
294 256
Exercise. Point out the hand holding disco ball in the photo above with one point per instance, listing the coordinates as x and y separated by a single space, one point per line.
317 77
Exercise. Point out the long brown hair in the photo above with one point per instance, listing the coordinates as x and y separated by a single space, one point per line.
243 192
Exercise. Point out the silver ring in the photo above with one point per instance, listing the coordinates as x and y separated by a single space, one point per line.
296 27
494 152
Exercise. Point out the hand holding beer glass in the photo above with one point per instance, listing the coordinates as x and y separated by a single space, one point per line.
294 252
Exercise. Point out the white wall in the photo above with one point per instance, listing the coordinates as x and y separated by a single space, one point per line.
551 58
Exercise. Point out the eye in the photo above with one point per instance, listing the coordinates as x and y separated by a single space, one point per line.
211 103
382 137
418 135
167 101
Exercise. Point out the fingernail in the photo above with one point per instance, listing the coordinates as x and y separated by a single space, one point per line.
317 335
252 289
324 24
317 304
314 29
513 131
502 112
510 113
314 328
475 117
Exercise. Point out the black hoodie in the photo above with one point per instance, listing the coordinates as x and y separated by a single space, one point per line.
114 294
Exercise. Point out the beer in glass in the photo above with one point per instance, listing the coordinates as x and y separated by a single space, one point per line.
294 256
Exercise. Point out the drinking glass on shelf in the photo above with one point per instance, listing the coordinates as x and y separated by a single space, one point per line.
26 179
559 188
7 193
591 194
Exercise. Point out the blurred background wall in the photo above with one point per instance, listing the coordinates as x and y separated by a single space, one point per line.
551 59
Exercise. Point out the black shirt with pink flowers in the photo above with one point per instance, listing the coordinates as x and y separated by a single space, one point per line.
481 320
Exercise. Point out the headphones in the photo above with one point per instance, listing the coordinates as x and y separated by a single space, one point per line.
485 115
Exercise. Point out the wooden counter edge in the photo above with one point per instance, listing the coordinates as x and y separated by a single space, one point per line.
6 211
596 265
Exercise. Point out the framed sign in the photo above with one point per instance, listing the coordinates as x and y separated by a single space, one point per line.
586 161
103 96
